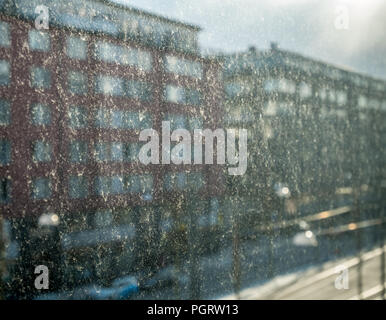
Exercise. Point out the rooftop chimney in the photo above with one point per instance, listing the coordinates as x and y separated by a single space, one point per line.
274 46
252 49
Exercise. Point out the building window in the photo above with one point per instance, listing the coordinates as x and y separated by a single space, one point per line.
41 188
117 151
135 120
323 93
103 218
102 186
175 181
5 73
5 190
77 82
131 151
286 86
195 181
176 121
174 94
183 67
41 151
5 112
102 151
305 90
132 184
121 55
374 104
146 183
139 90
192 96
40 114
4 35
181 95
332 95
235 89
111 86
139 184
180 181
362 102
76 48
78 187
117 119
271 108
40 78
5 152
195 123
39 41
341 97
271 85
78 151
77 117
117 185
214 211
103 118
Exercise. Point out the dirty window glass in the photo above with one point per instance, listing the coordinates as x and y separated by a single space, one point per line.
167 150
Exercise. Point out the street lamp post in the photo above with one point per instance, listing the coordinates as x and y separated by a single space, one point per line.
193 206
236 268
2 258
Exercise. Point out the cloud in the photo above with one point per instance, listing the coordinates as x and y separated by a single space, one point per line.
304 26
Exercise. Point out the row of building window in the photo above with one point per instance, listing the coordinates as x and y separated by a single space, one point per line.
182 95
104 151
183 67
41 188
94 17
182 181
41 78
76 48
335 96
273 108
112 53
78 117
116 119
114 86
371 103
210 216
78 186
106 85
238 88
281 85
78 152
178 121
305 91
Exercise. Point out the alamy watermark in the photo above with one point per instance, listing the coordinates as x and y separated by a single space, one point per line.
42 280
181 153
42 20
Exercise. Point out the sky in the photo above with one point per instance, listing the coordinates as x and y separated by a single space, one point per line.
349 33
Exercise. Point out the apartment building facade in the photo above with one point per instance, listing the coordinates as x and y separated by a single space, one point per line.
74 98
315 129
